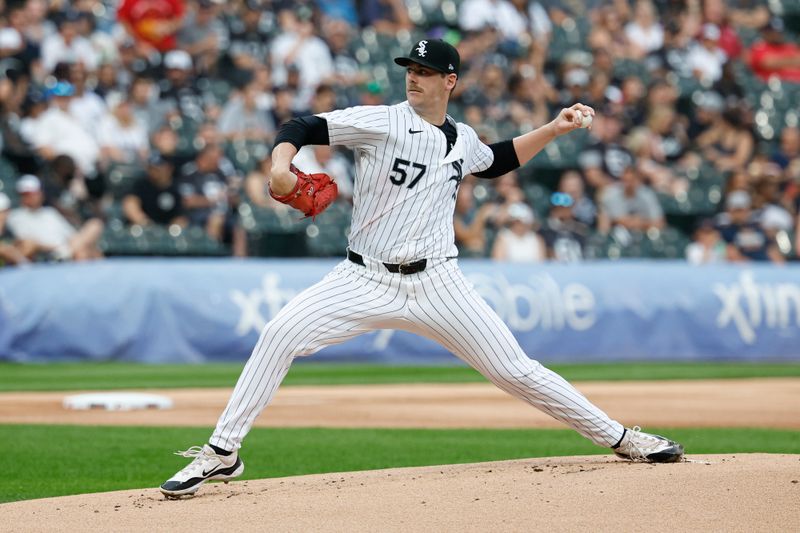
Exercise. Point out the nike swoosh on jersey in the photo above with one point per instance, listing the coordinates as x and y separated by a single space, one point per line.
414 131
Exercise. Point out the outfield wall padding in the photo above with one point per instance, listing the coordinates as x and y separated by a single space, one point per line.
199 310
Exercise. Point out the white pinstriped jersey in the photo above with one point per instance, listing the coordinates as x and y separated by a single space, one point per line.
406 181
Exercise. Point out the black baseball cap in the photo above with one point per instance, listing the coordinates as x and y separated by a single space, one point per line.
433 53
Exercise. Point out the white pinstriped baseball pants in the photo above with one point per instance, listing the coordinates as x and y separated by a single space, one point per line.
438 303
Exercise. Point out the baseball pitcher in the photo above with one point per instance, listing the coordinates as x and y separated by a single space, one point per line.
401 270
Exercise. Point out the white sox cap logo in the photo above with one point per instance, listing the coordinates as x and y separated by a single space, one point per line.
421 48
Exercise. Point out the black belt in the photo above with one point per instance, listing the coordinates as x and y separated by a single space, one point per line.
401 268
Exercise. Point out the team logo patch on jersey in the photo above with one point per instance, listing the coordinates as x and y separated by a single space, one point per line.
458 176
421 51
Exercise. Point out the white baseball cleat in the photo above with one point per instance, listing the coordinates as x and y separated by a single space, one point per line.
208 465
636 445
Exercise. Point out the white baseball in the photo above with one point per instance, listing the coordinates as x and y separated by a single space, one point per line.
586 121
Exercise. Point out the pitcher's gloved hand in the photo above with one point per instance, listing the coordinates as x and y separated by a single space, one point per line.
312 193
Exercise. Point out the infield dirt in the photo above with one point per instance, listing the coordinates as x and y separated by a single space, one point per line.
769 403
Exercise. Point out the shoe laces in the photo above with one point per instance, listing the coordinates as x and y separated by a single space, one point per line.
200 458
637 438
194 451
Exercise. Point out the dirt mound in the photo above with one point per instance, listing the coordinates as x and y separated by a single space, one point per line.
743 492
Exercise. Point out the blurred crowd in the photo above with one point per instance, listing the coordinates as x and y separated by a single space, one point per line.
132 114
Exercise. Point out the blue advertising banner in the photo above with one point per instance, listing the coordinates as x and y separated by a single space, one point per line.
191 310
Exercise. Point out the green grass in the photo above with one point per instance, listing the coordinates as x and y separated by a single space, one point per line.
60 460
82 376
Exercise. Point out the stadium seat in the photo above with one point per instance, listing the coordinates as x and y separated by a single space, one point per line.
121 176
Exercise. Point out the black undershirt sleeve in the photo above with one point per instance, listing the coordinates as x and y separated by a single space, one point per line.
303 131
505 160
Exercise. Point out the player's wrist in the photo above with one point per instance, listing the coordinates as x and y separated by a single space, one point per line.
551 129
282 182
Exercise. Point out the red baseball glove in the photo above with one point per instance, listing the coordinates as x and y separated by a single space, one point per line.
312 193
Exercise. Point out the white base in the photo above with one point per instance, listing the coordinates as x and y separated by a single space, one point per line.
117 401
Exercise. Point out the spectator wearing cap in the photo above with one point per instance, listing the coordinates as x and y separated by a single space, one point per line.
564 235
630 204
178 94
298 47
518 242
46 232
122 137
153 22
57 131
705 58
575 81
155 198
745 238
371 93
10 250
773 55
203 34
707 245
708 105
67 46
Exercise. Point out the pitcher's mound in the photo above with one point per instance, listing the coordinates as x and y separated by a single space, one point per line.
742 492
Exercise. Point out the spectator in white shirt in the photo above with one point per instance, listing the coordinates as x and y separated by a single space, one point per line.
122 138
67 46
705 58
46 231
298 46
644 32
86 105
475 15
518 242
57 131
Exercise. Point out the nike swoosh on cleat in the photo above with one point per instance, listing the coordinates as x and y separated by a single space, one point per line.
211 471
414 131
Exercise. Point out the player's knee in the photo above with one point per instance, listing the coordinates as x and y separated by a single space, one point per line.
513 376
